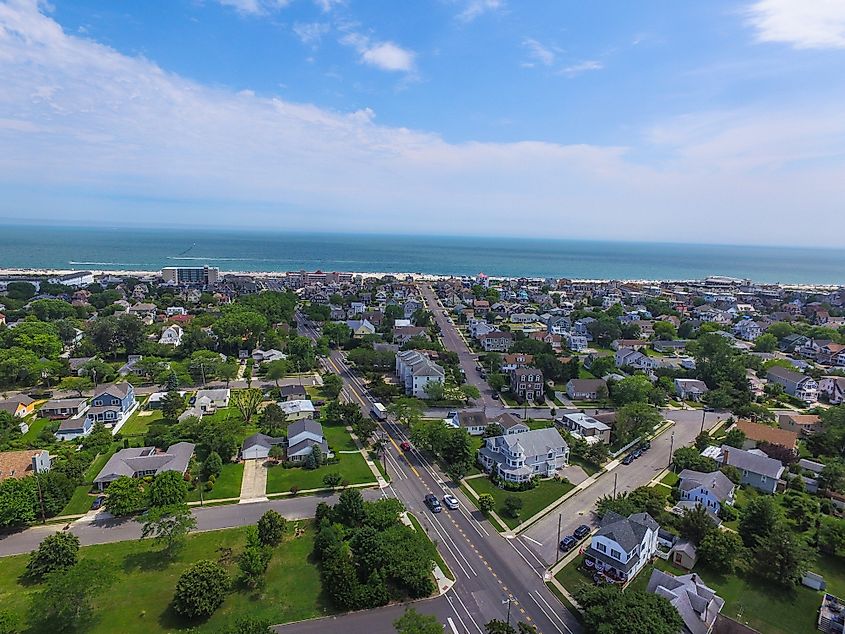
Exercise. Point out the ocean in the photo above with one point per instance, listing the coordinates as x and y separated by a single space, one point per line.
128 248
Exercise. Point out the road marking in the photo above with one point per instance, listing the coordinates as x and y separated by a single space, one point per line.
532 540
452 625
480 631
565 626
458 616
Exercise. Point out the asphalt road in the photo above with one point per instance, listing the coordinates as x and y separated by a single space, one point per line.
541 537
488 568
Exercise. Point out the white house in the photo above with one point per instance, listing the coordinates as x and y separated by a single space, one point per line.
297 409
268 356
593 431
697 604
709 490
209 401
690 389
747 330
171 336
623 546
415 370
522 456
795 384
834 388
475 422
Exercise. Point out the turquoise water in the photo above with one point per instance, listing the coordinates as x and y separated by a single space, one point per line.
150 249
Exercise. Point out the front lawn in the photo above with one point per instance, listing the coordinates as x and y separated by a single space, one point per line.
139 423
351 466
138 598
670 479
533 501
226 485
589 468
80 502
338 438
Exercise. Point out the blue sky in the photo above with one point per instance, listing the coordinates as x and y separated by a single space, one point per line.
702 122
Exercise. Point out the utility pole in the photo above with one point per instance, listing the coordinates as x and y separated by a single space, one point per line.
615 480
41 499
671 447
508 601
557 548
202 369
703 414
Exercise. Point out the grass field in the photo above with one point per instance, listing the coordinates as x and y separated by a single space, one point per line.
35 427
138 599
352 467
533 500
140 422
227 485
338 438
80 502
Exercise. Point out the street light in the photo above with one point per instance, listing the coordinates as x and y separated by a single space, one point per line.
508 601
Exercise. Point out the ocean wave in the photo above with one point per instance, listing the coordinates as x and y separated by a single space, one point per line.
105 263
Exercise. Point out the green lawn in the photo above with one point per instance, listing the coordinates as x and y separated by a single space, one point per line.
338 438
35 427
80 502
227 484
670 479
352 467
138 600
137 425
439 559
533 500
588 467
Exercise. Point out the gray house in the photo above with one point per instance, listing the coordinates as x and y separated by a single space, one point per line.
756 469
698 605
303 436
522 456
257 446
138 462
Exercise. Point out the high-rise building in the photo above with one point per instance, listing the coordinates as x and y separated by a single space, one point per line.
204 275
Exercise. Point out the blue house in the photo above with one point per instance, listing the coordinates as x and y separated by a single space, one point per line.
111 402
709 490
73 428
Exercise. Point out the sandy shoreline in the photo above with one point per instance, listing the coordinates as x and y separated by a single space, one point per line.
40 272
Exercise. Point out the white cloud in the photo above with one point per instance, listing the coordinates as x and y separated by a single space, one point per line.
310 33
327 6
475 8
539 52
254 7
582 67
89 133
801 23
384 55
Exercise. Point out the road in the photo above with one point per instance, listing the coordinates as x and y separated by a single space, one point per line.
106 529
541 537
488 568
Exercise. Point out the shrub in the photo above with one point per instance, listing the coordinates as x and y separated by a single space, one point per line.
201 589
57 552
513 506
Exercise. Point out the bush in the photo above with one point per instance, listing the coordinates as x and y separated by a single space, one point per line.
201 589
486 502
57 552
513 506
271 528
9 622
728 513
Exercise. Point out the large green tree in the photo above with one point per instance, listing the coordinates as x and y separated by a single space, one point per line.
607 610
200 589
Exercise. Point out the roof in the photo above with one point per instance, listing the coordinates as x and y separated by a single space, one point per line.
128 462
304 425
77 423
17 464
220 394
717 482
764 433
507 420
63 403
292 390
697 604
297 406
23 399
475 418
747 461
801 419
535 441
787 374
10 406
627 532
118 390
586 422
586 385
261 440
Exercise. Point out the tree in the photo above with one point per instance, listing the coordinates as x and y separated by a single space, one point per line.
781 556
832 476
200 589
757 519
689 458
702 441
664 330
167 488
631 389
277 370
332 385
720 549
636 419
412 622
607 610
10 623
57 552
271 528
18 501
272 420
124 496
734 438
349 509
513 506
801 508
457 453
172 404
332 479
212 465
247 402
407 411
766 343
78 384
470 392
65 602
695 524
435 390
168 525
486 502
498 627
831 534
253 563
315 458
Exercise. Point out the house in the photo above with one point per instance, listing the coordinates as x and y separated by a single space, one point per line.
511 362
268 356
139 462
623 546
360 328
521 456
496 341
403 334
257 446
209 401
793 342
19 405
63 408
509 423
297 409
527 385
635 359
173 311
142 310
633 344
576 342
795 384
586 389
303 436
19 464
475 422
833 387
111 404
171 336
677 345
479 327
761 472
690 389
591 430
756 433
415 370
709 490
747 330
292 392
697 604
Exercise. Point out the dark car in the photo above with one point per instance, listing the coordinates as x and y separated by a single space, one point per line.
628 459
581 532
568 543
637 453
645 446
98 502
433 503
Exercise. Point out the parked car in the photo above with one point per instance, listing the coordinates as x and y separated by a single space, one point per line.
98 502
568 543
433 503
450 501
645 446
405 445
581 532
628 459
637 453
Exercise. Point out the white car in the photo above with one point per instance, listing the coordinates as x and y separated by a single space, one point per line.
450 502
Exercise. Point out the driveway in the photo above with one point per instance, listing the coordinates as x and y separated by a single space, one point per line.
254 484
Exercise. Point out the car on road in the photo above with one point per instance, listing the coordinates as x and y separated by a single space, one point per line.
568 543
405 445
433 503
581 532
645 446
628 459
637 453
450 502
98 502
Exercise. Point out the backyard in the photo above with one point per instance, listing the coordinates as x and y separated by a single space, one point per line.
533 501
351 466
140 422
138 599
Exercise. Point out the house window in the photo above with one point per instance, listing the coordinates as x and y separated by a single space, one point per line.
601 547
616 554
